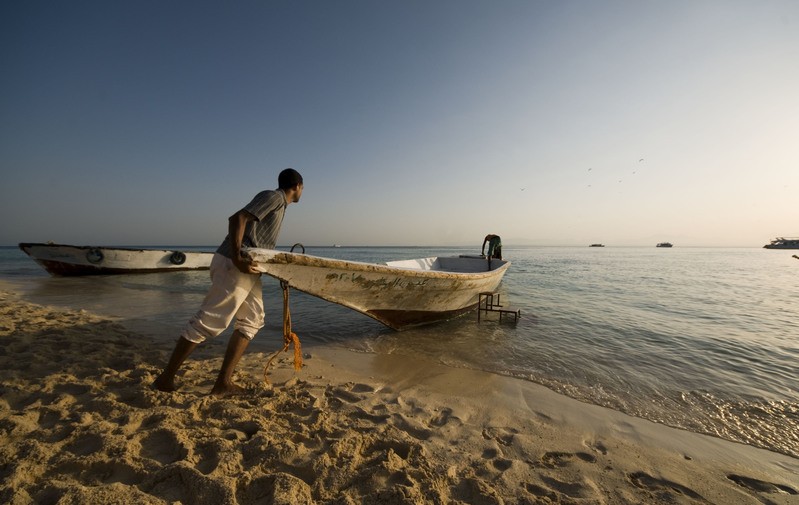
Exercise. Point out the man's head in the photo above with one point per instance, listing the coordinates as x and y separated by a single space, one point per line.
288 178
290 181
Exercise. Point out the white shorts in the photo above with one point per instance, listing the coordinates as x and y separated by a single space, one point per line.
233 294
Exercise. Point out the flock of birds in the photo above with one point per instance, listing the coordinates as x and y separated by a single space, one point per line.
620 180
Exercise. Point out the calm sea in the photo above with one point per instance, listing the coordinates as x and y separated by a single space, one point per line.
704 339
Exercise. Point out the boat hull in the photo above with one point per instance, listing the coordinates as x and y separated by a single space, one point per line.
68 260
398 294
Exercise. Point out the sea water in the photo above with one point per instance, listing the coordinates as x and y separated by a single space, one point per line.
703 339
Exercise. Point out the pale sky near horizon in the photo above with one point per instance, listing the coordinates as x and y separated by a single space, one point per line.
413 122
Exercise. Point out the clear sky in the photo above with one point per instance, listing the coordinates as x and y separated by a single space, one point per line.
412 122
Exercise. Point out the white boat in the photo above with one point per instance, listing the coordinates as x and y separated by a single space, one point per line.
783 243
68 260
399 294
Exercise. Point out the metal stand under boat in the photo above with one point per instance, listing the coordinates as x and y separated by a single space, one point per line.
488 301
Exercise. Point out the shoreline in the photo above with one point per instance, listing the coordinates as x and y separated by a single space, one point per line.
80 423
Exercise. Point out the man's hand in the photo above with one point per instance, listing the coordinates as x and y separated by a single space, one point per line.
245 265
236 226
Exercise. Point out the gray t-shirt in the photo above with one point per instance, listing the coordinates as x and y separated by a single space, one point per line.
268 208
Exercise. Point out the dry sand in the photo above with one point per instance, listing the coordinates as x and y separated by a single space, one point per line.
80 424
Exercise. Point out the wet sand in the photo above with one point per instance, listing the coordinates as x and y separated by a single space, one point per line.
80 423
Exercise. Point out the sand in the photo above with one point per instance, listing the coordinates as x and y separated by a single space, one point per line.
80 424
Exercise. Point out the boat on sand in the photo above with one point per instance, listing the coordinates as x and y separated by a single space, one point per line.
399 294
69 260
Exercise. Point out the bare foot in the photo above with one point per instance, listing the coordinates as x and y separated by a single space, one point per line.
166 384
228 389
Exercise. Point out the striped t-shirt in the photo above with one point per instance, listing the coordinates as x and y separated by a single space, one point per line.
268 208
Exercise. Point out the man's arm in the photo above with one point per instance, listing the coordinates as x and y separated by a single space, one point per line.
237 223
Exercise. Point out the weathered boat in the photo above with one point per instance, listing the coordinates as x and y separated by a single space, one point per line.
68 260
399 294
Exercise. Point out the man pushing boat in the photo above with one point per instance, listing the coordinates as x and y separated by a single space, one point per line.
236 290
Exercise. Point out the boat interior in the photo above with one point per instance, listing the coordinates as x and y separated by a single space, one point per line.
449 264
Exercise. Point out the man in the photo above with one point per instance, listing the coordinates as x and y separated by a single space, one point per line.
235 285
494 246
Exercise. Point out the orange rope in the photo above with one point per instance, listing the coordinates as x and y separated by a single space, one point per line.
289 336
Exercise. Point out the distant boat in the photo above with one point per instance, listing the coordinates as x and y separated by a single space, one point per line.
665 244
69 260
399 294
783 243
597 245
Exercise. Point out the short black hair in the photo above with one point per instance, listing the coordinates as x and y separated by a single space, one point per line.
288 178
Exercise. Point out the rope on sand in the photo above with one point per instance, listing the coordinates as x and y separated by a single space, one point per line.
289 336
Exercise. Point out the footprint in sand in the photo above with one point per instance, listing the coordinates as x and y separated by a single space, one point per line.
93 473
417 432
71 389
207 456
401 449
351 396
162 446
369 417
85 444
50 417
570 489
119 471
362 388
234 435
183 484
596 446
276 488
247 428
497 459
490 453
541 492
502 464
761 486
442 418
502 435
556 459
645 481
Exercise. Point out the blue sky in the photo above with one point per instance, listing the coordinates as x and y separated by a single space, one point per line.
413 123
